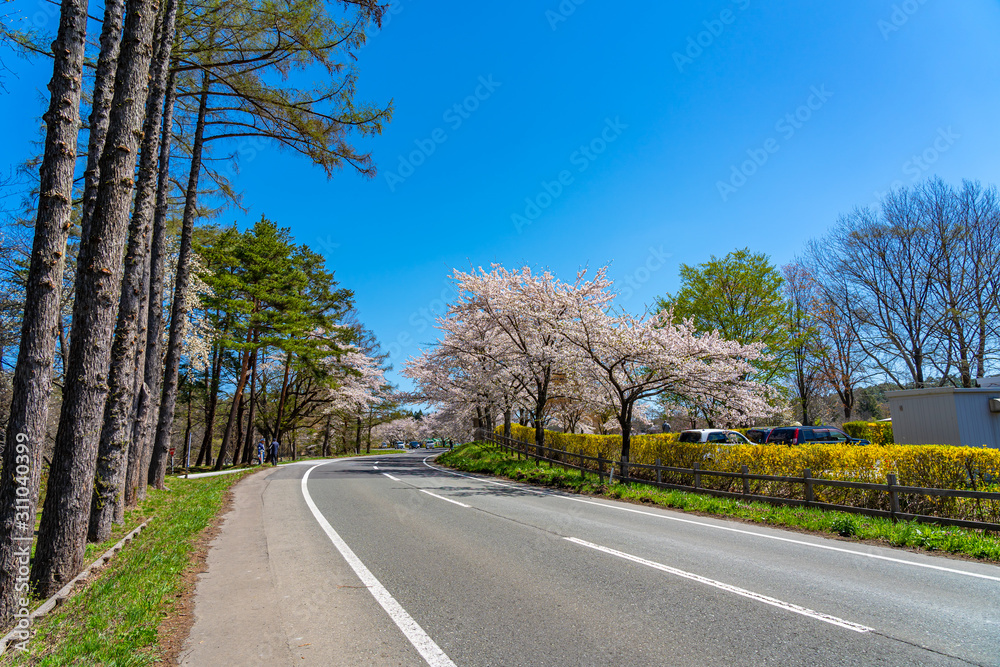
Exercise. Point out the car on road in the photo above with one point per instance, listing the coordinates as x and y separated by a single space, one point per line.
800 435
414 444
715 435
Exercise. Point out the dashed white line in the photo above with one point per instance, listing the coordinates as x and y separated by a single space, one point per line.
789 540
448 500
395 479
421 641
788 606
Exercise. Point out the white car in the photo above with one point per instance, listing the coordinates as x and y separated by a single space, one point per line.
715 435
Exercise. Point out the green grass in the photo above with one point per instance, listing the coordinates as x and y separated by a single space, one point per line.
115 620
483 458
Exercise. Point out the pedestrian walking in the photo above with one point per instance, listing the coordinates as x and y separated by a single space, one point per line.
274 452
260 451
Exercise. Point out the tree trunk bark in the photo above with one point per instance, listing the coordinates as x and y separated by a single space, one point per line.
107 503
179 309
248 448
211 405
326 438
63 531
506 423
148 401
281 399
100 107
233 408
32 382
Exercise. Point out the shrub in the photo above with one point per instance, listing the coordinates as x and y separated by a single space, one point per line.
927 466
877 433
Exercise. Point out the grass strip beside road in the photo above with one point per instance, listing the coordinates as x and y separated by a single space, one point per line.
484 458
116 619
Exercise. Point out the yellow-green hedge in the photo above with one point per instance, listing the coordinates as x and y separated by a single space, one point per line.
877 433
928 466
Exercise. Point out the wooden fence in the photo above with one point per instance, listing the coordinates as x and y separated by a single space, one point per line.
654 475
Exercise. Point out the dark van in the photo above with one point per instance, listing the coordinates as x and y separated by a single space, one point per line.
800 435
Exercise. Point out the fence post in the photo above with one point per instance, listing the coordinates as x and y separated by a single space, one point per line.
746 482
583 472
893 496
600 468
659 473
697 475
807 478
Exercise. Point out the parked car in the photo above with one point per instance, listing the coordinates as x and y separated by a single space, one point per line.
759 434
798 435
414 444
717 435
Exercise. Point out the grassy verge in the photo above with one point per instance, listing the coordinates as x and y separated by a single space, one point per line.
115 620
478 457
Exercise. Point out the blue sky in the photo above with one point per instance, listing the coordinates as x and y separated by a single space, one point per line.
646 138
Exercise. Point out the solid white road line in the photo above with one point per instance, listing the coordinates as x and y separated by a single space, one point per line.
426 646
395 479
788 606
449 500
789 540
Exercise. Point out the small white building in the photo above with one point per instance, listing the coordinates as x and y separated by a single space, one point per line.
946 416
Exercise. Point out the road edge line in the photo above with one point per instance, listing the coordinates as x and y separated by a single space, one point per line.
427 647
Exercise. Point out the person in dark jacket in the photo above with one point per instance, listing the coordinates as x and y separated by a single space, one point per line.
274 453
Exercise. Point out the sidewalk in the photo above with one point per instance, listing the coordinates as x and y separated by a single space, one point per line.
276 592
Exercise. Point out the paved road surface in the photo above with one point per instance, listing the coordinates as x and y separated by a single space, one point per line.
393 560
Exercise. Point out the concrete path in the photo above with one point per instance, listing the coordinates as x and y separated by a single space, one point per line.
276 593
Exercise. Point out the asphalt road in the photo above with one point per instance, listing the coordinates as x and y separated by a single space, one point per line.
394 560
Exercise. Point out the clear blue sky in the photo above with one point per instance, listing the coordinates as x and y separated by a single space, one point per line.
878 92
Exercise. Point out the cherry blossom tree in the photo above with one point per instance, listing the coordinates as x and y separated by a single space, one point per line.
631 359
521 313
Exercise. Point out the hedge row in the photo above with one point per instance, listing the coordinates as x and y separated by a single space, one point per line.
928 466
877 433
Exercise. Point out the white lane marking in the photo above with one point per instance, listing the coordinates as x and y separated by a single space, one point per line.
426 646
395 479
788 606
789 540
374 467
443 498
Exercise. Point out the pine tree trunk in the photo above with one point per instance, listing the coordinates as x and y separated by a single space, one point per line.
248 448
179 310
63 531
32 382
281 398
112 455
148 394
100 107
238 440
211 405
233 408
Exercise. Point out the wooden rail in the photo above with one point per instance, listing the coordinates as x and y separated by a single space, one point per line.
605 468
